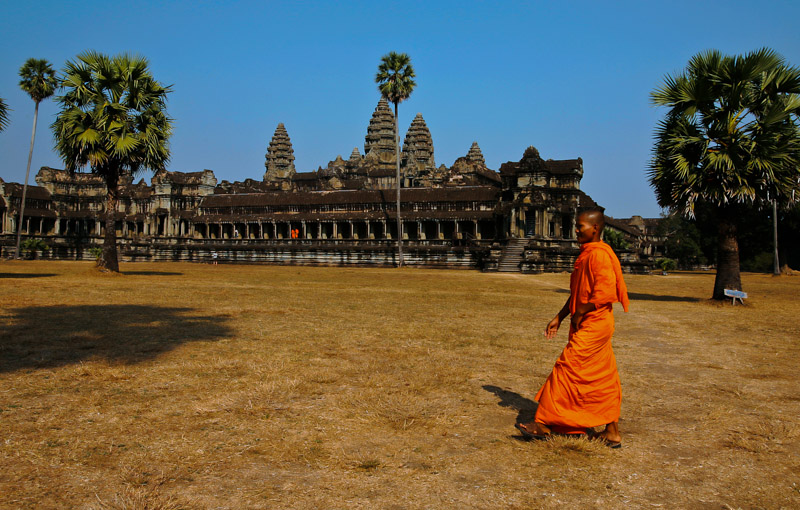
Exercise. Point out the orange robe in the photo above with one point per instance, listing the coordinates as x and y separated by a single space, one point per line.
583 390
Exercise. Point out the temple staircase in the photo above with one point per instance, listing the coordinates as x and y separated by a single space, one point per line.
512 256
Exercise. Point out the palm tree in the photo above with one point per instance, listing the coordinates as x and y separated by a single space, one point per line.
39 81
730 139
3 114
113 118
395 79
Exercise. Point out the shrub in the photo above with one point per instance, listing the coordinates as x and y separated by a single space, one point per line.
616 240
666 264
31 246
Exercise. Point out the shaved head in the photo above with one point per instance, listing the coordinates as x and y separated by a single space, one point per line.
590 225
594 216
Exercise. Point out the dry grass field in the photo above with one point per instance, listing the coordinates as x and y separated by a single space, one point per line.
194 386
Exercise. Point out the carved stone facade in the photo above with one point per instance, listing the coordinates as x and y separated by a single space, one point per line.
520 218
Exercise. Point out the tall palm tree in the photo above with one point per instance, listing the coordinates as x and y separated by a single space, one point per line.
729 139
3 114
39 81
395 79
113 118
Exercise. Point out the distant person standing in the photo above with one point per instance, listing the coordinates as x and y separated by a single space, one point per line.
583 390
214 257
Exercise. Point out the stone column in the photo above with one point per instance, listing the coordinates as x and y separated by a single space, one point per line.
513 227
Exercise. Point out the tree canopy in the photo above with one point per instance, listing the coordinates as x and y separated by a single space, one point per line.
731 132
38 79
395 77
729 140
113 119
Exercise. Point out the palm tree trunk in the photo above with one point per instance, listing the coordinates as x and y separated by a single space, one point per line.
776 270
109 259
397 162
728 276
25 186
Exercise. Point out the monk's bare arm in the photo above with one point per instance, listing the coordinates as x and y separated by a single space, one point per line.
552 326
580 311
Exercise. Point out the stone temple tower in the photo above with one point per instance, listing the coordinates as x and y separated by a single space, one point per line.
475 156
417 156
280 157
380 132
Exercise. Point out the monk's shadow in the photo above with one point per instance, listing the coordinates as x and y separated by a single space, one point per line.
525 407
38 337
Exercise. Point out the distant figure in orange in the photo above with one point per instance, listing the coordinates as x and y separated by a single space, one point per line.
583 390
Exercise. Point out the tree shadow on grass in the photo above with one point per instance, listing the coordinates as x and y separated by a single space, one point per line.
637 296
53 336
26 275
150 273
525 407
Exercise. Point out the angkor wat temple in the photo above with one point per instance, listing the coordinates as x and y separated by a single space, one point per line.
520 218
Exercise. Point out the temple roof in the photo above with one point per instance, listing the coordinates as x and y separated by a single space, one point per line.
388 214
454 194
532 162
623 226
13 189
185 178
585 201
49 174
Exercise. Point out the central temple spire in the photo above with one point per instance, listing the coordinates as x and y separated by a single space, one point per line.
280 157
380 132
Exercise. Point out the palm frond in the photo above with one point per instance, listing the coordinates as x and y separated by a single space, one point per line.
730 134
395 77
38 79
4 109
112 115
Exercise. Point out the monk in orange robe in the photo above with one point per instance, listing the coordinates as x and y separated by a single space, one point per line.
583 390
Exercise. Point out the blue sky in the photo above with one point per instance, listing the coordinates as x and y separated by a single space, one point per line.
570 78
